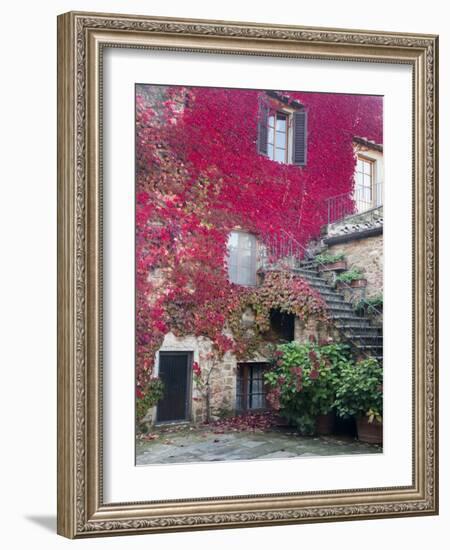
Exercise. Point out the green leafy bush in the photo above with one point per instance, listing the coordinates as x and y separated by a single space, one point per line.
359 390
329 258
302 380
370 303
349 276
153 393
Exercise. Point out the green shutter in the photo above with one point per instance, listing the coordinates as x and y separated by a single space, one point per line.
300 138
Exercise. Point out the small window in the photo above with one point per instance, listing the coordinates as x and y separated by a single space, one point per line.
242 258
250 387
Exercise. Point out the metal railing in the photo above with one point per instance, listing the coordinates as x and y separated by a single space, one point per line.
278 249
358 202
299 246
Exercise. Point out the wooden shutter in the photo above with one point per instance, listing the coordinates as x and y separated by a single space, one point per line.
262 127
300 138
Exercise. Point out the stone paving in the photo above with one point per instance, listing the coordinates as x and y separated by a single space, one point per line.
201 446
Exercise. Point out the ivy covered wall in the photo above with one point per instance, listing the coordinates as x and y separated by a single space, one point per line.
200 175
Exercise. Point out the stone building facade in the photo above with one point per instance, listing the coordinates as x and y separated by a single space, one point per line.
224 375
223 386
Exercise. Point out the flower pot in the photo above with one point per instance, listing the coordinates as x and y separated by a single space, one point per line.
369 432
359 283
335 266
325 424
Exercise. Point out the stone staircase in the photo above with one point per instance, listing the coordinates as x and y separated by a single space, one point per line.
365 339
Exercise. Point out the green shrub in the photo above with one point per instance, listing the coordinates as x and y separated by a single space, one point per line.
359 390
153 393
349 276
302 380
370 304
329 258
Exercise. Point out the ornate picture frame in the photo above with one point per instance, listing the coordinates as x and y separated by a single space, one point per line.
82 40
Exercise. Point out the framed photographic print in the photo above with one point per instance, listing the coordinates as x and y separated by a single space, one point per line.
247 277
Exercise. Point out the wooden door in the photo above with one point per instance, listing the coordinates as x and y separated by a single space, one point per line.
175 372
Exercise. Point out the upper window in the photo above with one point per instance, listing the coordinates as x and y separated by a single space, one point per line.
282 134
277 136
242 258
364 189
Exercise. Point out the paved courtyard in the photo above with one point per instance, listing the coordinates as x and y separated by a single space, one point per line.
205 446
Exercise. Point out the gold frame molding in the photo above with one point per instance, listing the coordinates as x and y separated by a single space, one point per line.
81 38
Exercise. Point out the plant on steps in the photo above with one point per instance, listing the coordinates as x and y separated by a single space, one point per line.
329 258
350 276
373 304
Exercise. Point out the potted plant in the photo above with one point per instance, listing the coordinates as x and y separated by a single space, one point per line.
359 394
301 384
331 262
372 306
353 278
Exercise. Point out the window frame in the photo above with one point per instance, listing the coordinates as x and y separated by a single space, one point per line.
245 379
253 259
295 113
288 149
373 199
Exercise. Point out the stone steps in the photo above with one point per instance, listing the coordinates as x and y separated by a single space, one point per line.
365 329
365 339
358 331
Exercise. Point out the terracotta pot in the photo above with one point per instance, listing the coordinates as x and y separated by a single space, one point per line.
359 283
325 424
336 266
369 432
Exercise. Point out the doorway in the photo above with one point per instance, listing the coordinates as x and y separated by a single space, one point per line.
175 372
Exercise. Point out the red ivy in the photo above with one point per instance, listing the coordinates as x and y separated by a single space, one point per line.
199 175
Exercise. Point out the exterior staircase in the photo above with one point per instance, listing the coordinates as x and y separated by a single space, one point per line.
365 339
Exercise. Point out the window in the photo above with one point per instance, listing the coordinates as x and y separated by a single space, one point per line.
242 258
250 390
277 137
282 135
364 188
282 325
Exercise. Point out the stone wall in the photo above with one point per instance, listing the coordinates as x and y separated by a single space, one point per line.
312 328
222 377
223 372
223 388
365 254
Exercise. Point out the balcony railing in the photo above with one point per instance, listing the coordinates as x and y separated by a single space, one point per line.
362 200
280 249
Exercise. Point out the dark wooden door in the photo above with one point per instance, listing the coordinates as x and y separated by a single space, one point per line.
175 372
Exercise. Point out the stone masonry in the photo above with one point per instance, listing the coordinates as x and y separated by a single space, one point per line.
366 255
